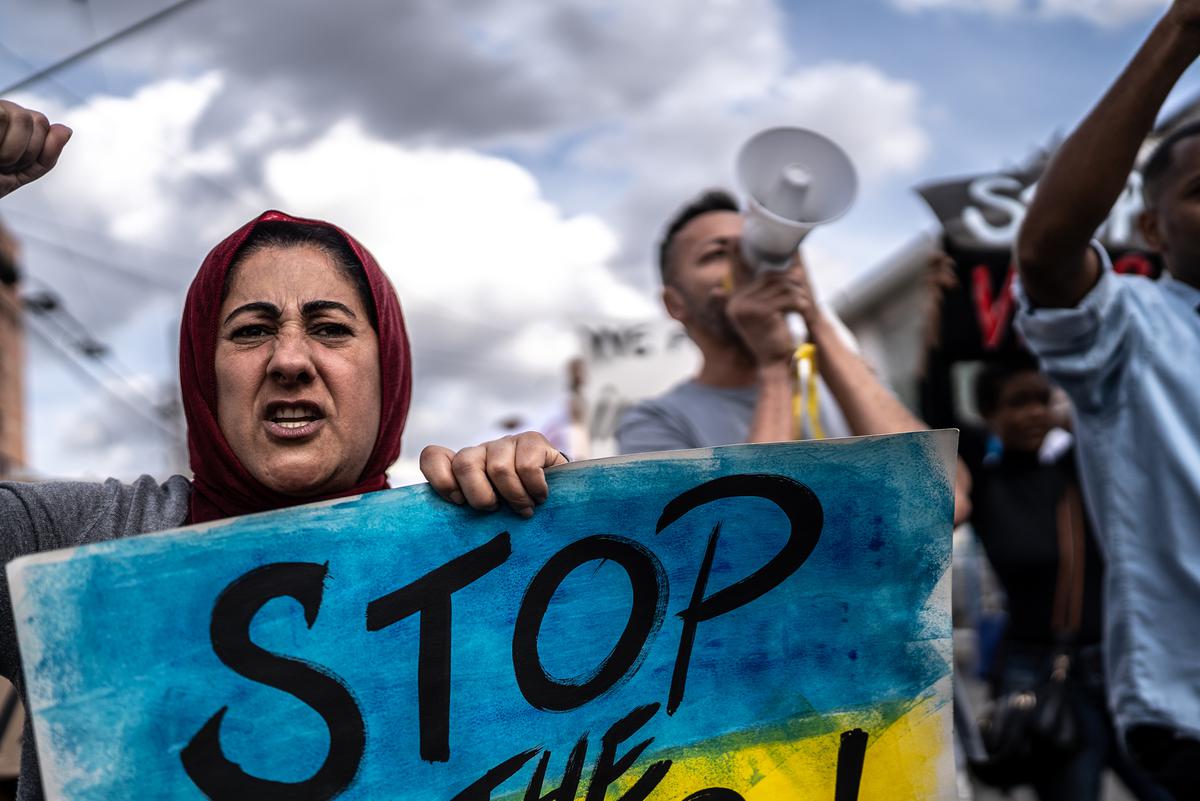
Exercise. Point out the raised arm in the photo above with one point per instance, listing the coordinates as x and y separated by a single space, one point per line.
868 405
29 145
757 310
1088 172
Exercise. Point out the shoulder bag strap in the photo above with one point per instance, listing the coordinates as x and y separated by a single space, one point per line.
1068 591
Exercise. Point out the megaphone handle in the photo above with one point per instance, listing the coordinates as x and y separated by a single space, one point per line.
797 327
806 405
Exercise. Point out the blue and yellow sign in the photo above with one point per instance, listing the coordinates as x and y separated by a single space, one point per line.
744 623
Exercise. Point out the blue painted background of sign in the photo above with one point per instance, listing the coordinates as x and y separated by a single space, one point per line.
122 673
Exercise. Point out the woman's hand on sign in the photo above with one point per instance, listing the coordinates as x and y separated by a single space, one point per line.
510 469
29 145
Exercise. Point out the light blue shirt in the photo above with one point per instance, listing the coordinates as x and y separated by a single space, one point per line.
1129 357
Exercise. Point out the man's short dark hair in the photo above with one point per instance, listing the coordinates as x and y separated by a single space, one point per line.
990 382
709 201
1160 162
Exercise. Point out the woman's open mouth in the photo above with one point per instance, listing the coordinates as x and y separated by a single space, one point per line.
291 421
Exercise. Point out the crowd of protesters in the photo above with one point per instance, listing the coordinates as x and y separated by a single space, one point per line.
1095 544
1092 535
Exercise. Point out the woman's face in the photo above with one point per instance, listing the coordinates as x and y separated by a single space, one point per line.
297 364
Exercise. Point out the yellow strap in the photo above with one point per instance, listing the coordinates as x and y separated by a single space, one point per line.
805 400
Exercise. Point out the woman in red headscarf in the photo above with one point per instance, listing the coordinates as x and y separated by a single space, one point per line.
295 369
296 377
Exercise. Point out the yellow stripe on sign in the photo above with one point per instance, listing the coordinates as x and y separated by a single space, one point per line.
903 762
914 758
907 759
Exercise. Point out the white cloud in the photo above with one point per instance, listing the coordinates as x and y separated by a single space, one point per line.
495 71
881 129
493 276
93 433
1103 13
124 421
133 196
129 153
688 144
648 100
988 6
454 227
690 138
632 106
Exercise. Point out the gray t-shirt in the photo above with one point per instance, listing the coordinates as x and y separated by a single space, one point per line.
695 415
42 517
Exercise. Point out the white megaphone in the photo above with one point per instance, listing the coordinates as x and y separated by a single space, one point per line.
792 180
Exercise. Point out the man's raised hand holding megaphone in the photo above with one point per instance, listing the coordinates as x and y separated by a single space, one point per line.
792 180
737 316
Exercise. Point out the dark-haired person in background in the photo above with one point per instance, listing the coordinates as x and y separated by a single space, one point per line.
744 390
1127 352
1015 497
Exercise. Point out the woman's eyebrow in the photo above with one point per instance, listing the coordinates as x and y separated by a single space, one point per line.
262 306
315 307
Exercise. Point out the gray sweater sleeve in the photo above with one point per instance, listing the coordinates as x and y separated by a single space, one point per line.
45 516
42 517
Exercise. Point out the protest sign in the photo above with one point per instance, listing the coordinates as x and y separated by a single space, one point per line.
626 362
985 211
751 622
980 217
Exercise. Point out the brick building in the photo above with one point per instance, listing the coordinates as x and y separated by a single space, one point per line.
12 357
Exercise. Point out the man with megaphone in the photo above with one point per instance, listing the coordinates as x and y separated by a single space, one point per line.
746 390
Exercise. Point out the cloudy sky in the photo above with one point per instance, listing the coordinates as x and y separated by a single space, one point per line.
510 163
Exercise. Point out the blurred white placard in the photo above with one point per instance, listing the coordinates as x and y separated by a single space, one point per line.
625 362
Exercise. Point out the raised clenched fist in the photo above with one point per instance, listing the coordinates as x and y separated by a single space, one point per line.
29 145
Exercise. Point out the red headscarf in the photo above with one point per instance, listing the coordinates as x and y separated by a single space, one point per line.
222 487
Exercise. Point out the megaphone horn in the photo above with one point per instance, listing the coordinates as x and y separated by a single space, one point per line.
793 180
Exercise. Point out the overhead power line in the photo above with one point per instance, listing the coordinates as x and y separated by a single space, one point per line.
41 74
52 310
79 55
136 276
68 357
157 253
